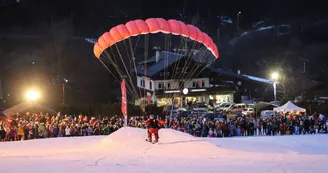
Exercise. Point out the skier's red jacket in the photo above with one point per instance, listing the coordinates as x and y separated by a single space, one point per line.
151 129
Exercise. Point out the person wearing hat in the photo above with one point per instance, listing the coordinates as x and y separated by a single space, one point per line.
153 127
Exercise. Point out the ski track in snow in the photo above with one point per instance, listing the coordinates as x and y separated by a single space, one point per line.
127 151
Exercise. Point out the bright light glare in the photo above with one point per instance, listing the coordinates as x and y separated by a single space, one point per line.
275 75
32 95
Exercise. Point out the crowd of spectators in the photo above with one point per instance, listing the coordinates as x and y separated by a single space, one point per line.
245 126
36 126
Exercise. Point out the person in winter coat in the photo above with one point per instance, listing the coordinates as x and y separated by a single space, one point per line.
211 133
20 132
283 129
238 131
12 134
67 131
153 127
2 134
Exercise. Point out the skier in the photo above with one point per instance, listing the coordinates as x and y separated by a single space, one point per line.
153 127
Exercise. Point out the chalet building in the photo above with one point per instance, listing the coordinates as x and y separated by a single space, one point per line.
165 78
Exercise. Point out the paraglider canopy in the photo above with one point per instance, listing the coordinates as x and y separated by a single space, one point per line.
181 44
153 25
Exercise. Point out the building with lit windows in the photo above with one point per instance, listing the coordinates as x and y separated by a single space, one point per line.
165 78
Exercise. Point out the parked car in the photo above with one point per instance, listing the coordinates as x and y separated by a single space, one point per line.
184 113
223 104
213 116
224 108
200 107
248 111
250 105
277 103
237 108
243 117
266 113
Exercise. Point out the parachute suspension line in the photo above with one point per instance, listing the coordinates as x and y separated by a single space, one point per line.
120 73
189 61
206 54
187 64
111 61
127 72
109 71
199 71
186 61
131 58
168 47
135 47
176 67
192 69
191 58
130 62
145 67
181 74
196 69
177 63
128 56
106 60
164 65
181 51
134 61
113 55
114 75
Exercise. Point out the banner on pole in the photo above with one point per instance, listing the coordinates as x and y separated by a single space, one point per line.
124 100
149 101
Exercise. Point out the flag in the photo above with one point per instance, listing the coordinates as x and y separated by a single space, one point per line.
148 98
124 101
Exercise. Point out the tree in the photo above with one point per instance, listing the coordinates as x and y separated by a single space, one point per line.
60 33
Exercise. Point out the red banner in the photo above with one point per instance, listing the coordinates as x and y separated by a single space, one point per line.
149 98
124 101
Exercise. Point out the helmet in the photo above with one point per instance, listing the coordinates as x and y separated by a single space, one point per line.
152 117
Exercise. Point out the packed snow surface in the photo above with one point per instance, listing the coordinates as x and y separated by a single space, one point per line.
126 151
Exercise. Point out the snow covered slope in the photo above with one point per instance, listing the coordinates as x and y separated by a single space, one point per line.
126 151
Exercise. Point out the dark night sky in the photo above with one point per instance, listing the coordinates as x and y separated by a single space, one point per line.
101 12
91 18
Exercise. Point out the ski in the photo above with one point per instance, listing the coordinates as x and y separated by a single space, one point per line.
152 142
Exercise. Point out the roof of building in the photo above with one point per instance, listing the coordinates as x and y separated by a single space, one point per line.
153 67
243 76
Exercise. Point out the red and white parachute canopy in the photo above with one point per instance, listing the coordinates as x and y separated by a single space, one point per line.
153 25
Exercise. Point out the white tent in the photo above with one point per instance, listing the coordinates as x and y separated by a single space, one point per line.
289 107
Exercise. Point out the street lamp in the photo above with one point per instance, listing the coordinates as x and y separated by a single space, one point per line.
32 95
237 24
275 77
